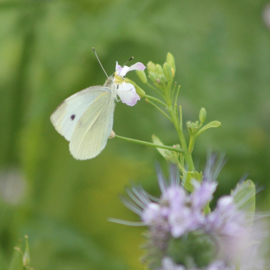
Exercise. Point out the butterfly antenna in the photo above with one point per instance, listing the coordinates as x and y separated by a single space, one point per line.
131 58
99 62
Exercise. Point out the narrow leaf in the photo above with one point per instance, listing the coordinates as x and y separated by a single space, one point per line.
165 153
213 124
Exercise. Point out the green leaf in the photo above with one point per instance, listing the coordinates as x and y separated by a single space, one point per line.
244 196
163 152
170 156
189 176
213 124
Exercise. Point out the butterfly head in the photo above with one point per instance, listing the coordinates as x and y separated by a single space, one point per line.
109 82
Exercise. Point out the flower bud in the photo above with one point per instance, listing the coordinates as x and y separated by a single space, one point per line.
167 72
151 67
161 78
202 115
152 76
159 69
170 61
173 72
142 76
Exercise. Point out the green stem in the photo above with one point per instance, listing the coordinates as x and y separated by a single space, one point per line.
181 118
187 154
155 90
172 95
156 100
191 144
150 144
180 167
153 104
176 96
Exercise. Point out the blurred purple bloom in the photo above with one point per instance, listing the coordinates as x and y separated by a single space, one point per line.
203 193
177 214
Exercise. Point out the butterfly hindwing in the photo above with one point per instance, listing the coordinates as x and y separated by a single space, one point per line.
93 128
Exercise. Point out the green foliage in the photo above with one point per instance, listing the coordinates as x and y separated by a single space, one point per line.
170 156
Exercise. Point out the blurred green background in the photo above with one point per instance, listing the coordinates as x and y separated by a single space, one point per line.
222 52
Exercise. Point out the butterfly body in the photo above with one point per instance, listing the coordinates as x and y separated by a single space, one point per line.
85 119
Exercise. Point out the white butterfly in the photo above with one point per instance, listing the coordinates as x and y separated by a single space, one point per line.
85 119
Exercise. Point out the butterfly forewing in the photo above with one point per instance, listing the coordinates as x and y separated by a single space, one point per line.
93 128
68 113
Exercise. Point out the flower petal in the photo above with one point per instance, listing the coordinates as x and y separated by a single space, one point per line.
137 66
123 71
118 68
127 93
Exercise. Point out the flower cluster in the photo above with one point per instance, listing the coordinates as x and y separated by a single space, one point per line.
184 235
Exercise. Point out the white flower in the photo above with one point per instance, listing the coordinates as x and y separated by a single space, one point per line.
126 91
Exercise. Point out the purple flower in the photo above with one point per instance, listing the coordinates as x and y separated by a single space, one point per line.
182 236
152 214
126 91
203 193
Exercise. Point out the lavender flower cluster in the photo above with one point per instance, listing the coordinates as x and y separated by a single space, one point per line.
183 234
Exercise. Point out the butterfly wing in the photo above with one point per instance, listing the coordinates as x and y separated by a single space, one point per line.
93 128
85 119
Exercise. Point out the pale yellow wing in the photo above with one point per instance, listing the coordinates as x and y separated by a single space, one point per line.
69 112
94 127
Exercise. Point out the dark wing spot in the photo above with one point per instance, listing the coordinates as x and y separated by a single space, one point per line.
117 86
72 117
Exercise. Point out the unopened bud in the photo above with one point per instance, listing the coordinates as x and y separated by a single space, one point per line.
173 72
170 61
159 69
151 67
142 76
167 72
152 76
202 115
161 78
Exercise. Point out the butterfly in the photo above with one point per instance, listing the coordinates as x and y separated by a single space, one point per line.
85 119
